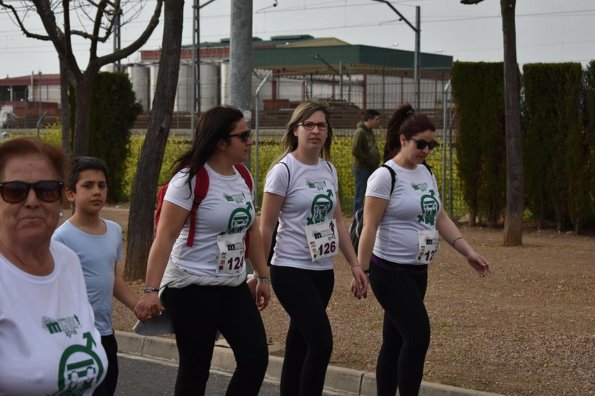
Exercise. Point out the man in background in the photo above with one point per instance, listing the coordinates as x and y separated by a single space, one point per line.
365 153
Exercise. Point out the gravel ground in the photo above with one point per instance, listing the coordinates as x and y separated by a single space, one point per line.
527 329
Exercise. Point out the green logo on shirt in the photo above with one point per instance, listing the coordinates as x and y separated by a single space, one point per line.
321 205
80 367
429 209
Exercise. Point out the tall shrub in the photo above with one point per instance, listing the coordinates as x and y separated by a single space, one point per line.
113 113
478 93
589 109
554 143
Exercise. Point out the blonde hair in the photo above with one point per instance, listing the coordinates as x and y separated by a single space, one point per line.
299 115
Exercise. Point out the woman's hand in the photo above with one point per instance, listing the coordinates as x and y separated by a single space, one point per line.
359 283
479 263
263 294
148 307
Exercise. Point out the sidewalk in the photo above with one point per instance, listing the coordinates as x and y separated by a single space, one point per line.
339 380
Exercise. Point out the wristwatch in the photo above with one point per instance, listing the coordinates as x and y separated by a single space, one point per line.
150 290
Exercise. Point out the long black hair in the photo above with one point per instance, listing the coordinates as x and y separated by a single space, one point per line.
214 125
404 121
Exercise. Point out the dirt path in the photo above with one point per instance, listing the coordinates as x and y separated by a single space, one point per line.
528 329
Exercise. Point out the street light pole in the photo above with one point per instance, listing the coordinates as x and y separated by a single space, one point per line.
417 53
196 62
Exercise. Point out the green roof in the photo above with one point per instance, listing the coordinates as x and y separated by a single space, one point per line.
355 58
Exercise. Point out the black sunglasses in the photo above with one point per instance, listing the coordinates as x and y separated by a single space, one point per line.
17 191
244 136
422 144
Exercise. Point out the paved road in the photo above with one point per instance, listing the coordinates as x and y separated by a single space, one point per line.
144 377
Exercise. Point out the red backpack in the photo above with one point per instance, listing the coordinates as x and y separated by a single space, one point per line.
201 188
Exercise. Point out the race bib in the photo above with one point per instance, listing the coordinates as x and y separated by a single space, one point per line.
231 253
323 239
429 242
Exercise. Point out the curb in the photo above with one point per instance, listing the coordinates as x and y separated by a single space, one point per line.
339 380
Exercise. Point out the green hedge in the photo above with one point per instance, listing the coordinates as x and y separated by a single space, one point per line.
269 149
478 92
556 150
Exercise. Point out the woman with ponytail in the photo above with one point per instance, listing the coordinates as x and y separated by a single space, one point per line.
400 237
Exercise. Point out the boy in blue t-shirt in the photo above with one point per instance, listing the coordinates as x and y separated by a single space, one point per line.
98 243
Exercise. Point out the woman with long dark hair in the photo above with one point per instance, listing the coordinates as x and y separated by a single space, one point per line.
400 237
203 286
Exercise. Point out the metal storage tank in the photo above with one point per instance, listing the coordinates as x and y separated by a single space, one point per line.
154 71
209 87
184 100
139 77
225 82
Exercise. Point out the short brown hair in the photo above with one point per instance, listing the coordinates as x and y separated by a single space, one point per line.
23 146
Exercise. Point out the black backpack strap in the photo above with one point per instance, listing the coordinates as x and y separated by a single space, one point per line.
288 176
393 177
428 167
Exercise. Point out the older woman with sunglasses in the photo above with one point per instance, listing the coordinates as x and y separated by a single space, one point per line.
48 341
203 279
400 237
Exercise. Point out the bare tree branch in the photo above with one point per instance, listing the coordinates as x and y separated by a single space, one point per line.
20 23
139 42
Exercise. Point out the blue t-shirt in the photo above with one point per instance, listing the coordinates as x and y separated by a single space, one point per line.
98 255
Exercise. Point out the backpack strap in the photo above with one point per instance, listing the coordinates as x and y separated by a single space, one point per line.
393 177
201 187
245 173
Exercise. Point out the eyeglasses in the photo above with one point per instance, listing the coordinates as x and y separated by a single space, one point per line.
17 191
244 136
422 144
308 125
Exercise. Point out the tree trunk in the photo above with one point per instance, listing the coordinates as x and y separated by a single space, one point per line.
142 204
84 96
65 108
513 223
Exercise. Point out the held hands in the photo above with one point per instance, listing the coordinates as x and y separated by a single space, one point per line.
263 294
148 306
261 291
359 283
479 263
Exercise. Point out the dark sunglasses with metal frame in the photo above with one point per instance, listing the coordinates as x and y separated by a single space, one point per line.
422 144
17 191
244 136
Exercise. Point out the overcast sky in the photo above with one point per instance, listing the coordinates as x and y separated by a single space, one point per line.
547 30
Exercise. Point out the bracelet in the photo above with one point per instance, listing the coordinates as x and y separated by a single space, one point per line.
150 290
263 279
455 241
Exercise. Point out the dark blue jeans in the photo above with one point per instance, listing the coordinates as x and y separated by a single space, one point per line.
361 181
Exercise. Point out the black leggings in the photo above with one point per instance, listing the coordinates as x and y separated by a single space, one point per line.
197 312
405 331
108 386
305 294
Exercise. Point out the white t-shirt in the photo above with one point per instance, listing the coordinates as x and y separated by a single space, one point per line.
413 206
311 199
48 342
99 255
226 209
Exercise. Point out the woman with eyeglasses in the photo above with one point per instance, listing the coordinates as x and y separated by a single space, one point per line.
400 237
48 341
302 192
201 280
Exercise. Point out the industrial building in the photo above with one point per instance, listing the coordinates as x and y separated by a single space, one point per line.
288 70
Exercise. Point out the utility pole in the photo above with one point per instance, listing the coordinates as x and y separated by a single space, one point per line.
417 53
196 62
118 40
240 57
